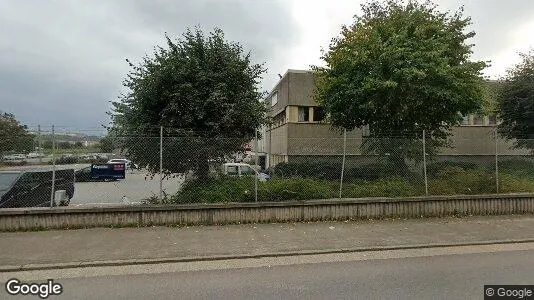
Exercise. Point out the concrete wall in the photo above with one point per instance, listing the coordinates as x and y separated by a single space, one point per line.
479 140
276 140
301 88
301 211
321 139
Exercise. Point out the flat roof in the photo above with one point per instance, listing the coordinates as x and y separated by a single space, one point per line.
296 71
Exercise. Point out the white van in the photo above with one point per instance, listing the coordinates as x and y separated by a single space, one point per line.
242 169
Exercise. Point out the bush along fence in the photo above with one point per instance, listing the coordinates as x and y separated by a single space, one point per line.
390 168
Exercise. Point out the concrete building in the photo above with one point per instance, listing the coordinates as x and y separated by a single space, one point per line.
299 131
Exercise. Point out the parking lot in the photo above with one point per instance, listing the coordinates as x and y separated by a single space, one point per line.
135 188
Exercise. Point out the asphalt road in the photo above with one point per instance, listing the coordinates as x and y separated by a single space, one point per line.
445 273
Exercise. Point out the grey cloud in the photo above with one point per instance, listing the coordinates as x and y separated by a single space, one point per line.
494 22
61 62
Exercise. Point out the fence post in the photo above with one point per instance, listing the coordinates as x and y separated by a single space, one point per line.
256 159
424 162
343 162
161 164
496 161
39 144
53 187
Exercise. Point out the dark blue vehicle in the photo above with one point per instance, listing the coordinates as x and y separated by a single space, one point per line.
101 172
31 188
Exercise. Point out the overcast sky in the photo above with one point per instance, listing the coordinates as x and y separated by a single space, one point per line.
61 62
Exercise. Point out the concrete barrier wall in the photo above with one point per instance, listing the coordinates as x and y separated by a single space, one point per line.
316 210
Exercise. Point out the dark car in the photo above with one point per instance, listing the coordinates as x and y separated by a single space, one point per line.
104 172
31 188
84 175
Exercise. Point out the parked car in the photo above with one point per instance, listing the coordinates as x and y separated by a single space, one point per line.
242 169
14 157
128 163
35 155
84 175
29 188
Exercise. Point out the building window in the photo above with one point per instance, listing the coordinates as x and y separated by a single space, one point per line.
274 99
304 114
318 114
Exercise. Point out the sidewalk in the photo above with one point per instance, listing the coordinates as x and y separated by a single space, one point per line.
29 250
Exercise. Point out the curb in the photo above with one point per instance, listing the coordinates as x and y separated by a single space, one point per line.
112 263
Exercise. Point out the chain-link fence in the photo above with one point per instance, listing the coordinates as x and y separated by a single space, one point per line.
48 168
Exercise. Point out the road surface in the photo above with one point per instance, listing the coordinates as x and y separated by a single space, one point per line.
442 273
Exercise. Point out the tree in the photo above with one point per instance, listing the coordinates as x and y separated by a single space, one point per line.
516 103
13 135
48 144
401 68
106 145
64 145
204 88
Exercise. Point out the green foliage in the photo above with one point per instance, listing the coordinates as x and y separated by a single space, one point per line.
311 169
434 168
391 187
48 144
401 68
332 171
203 87
509 183
241 189
106 145
14 136
450 180
518 167
516 103
455 180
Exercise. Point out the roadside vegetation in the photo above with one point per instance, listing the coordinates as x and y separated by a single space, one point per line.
375 180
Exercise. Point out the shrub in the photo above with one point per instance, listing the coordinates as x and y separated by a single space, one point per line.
509 183
332 171
392 187
223 189
241 189
311 169
518 167
455 180
434 168
377 171
296 189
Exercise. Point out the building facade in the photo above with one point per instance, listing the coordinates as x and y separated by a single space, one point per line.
299 130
